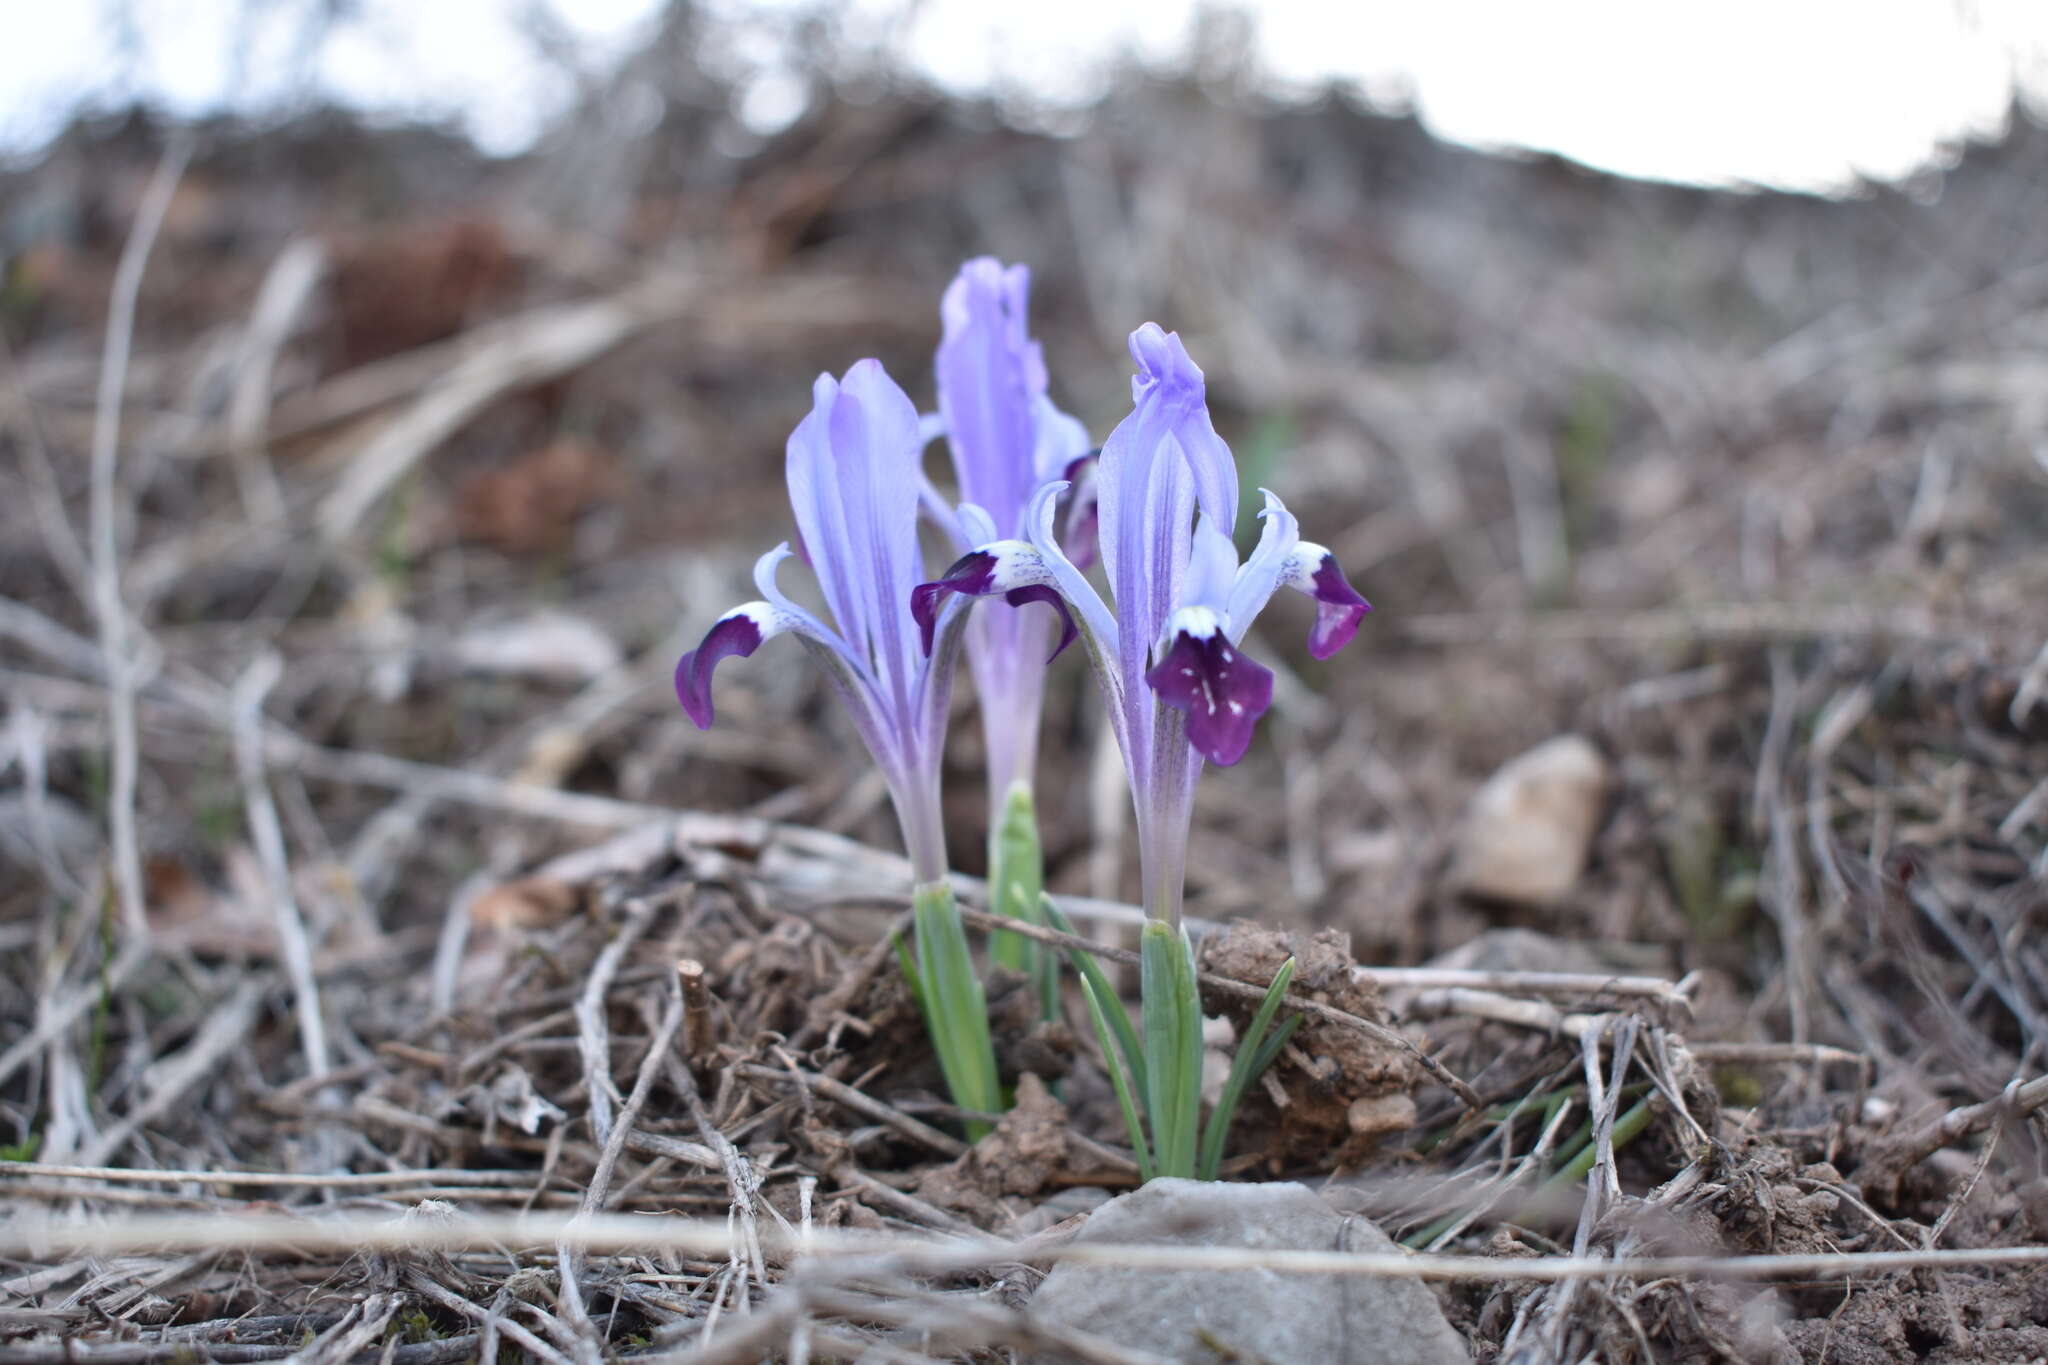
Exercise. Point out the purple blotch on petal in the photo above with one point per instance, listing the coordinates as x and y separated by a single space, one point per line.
736 634
1081 527
1339 609
1041 592
972 573
1222 692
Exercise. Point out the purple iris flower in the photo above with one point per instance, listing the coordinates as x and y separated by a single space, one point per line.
1006 440
1168 659
854 477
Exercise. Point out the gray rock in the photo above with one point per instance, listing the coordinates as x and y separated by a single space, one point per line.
1207 1316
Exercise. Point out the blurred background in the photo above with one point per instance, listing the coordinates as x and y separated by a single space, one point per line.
1670 378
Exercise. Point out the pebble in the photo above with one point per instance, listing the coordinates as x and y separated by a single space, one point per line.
1528 830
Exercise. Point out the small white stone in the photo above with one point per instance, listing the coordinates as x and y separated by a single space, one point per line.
1528 830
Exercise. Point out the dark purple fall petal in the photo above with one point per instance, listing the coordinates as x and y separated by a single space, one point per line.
737 634
1339 609
973 573
1040 592
1222 692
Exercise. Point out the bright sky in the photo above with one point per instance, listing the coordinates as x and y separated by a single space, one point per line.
1798 93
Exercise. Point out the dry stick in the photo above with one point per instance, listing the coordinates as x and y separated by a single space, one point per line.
279 301
61 1014
1378 1032
622 1129
52 520
2017 1101
2033 686
269 1179
26 626
169 1079
363 1324
634 1235
548 342
905 1203
1539 1015
1768 1054
839 1092
570 1259
432 1288
697 1023
854 1345
1771 815
386 835
250 690
674 1148
106 563
70 1191
1712 621
593 1033
1525 983
742 1184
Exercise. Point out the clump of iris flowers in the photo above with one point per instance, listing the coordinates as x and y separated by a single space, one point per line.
1167 650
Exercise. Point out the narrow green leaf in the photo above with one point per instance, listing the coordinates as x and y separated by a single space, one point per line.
1171 1007
1090 971
1270 1053
1252 1058
1016 878
1139 1147
916 982
956 1011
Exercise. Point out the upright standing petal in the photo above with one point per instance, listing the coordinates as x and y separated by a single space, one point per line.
990 377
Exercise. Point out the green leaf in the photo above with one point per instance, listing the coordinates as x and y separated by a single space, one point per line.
1124 1100
910 976
1090 971
1171 1007
1255 1052
1016 877
955 1009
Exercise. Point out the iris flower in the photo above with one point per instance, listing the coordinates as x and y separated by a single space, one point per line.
1168 658
1180 691
1006 439
854 473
